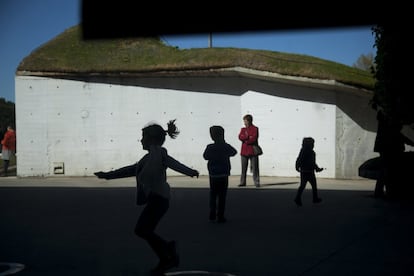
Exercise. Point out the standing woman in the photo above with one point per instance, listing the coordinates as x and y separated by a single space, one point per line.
8 148
249 136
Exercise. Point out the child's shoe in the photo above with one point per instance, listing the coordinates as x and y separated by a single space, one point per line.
212 216
172 248
171 261
298 202
317 200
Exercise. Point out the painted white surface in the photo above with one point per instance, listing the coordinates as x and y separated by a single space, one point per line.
282 125
96 126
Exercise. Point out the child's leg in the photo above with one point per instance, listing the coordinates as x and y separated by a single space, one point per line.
222 193
312 181
302 186
213 197
155 209
304 178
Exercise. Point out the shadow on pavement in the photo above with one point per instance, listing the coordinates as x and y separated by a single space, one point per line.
89 231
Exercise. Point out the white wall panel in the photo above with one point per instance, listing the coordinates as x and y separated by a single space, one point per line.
354 145
92 126
282 125
31 127
97 126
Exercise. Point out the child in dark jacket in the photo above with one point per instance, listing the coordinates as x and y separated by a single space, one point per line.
306 165
218 155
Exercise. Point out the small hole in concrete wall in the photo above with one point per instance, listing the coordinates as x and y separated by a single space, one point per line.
58 168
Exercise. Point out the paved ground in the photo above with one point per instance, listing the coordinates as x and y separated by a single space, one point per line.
84 226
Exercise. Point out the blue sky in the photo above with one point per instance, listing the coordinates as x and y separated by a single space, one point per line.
26 25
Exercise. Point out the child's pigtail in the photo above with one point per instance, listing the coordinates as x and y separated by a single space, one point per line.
172 129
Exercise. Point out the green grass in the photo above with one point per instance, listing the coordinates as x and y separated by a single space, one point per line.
68 53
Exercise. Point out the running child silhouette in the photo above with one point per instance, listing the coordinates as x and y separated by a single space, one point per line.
218 156
306 165
153 190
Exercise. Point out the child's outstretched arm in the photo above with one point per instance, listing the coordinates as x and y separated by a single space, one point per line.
127 171
181 168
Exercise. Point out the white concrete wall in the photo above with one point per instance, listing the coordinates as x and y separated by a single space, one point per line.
96 126
283 123
355 138
355 146
92 126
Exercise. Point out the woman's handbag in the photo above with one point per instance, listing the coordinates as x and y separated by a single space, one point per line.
257 150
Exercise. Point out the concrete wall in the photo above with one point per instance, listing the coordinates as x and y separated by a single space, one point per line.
91 125
356 127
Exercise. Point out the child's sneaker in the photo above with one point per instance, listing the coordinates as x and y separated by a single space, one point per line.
171 261
212 216
298 201
317 200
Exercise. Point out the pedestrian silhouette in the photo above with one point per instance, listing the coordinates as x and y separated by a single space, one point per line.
8 151
218 155
390 144
306 165
153 191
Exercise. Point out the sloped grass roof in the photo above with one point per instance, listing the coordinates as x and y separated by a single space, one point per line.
69 53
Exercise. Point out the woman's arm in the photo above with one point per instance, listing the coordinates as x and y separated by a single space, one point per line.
243 135
253 135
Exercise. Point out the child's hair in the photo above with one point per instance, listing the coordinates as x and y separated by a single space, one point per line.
157 134
308 142
217 133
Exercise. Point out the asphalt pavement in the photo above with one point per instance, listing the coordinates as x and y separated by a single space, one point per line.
84 226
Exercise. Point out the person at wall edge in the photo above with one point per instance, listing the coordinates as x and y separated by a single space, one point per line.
390 144
8 148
